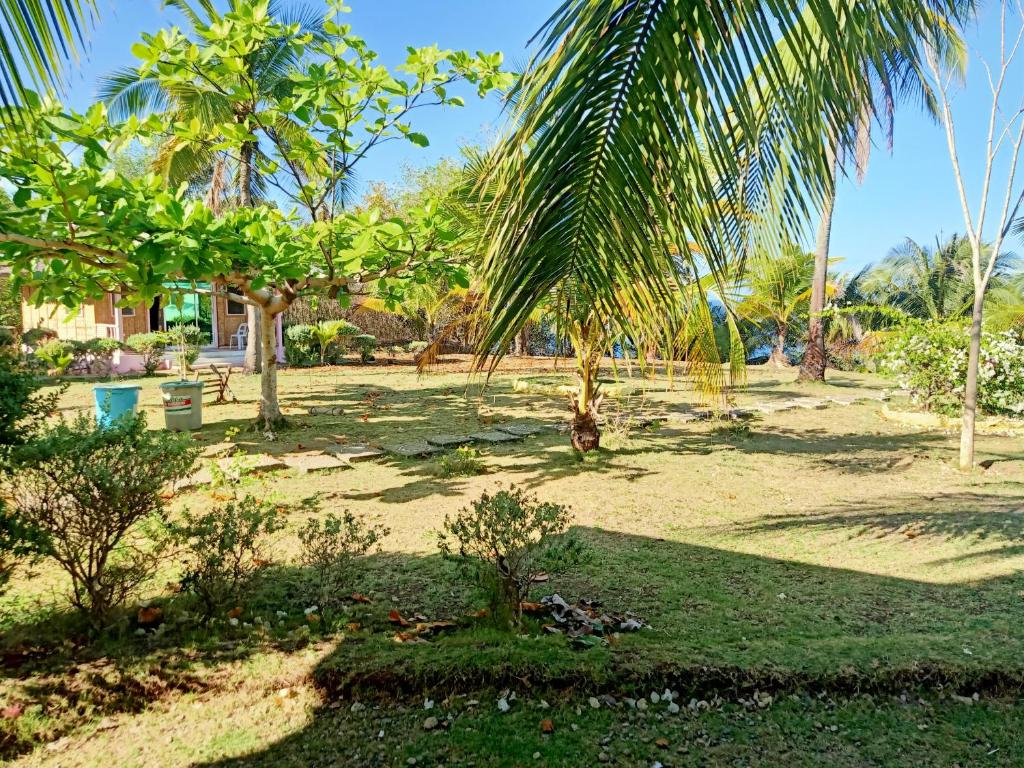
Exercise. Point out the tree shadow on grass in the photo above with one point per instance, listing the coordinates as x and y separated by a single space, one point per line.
965 516
722 623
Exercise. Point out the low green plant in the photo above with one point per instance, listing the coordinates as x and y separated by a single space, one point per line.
225 549
366 345
56 355
416 347
87 493
151 346
502 539
331 550
462 462
328 333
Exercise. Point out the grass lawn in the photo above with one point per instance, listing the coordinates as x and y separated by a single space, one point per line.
820 583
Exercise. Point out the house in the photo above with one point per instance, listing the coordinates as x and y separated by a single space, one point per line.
221 317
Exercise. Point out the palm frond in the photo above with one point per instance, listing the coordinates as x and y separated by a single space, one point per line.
36 38
644 125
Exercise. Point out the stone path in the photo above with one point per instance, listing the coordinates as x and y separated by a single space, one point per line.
353 453
449 441
495 436
308 463
413 449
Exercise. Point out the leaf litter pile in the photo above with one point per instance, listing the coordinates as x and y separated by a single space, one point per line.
585 623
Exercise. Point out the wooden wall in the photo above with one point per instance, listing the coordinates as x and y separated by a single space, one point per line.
227 325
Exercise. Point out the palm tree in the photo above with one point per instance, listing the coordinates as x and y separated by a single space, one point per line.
329 332
929 283
641 126
36 38
777 294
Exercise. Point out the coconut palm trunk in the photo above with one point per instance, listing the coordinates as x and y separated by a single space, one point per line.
812 368
586 401
778 357
253 320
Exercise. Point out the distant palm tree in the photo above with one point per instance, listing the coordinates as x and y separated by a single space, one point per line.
36 38
930 283
777 293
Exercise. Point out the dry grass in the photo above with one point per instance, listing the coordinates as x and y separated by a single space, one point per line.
814 540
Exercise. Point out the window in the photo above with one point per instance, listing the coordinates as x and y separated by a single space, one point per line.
128 312
235 308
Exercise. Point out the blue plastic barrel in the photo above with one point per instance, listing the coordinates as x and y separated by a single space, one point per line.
115 400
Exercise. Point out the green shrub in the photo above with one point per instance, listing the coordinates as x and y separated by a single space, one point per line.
504 539
463 461
929 361
331 550
151 346
416 347
189 339
225 549
56 355
23 411
365 345
96 356
87 493
332 335
35 337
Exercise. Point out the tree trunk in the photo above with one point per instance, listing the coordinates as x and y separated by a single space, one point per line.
585 434
778 358
252 340
971 391
270 408
812 368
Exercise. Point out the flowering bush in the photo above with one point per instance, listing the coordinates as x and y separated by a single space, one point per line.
929 360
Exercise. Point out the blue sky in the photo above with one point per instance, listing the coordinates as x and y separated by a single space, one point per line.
908 193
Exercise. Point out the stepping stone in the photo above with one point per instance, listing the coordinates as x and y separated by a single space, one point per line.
196 479
843 399
522 429
262 462
308 463
218 449
809 403
681 418
495 437
353 453
741 413
326 410
413 449
449 441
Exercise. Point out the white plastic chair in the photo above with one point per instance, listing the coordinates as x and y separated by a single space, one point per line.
239 337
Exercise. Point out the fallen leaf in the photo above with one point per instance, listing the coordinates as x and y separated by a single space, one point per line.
353 626
396 618
235 612
359 598
12 712
547 726
663 743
